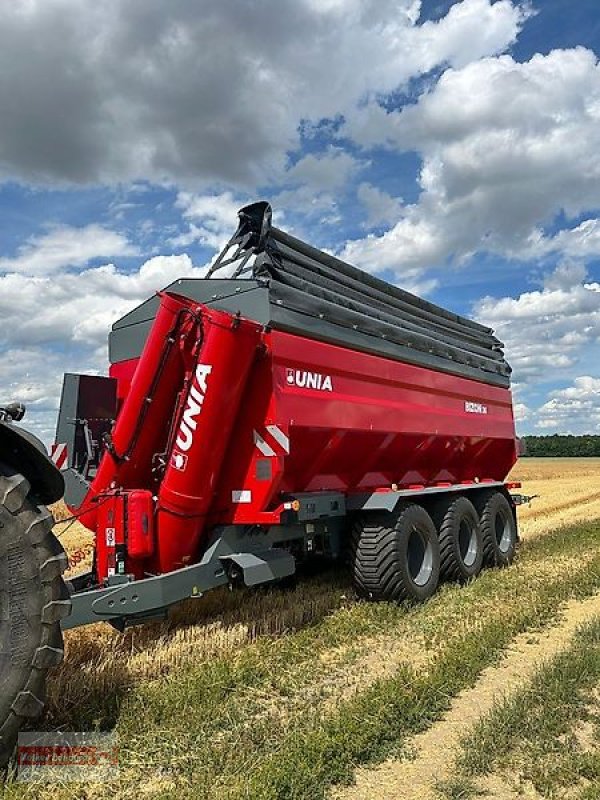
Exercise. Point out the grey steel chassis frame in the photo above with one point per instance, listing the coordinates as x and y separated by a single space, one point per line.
248 553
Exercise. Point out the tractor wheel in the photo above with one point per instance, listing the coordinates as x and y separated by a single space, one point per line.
461 540
33 600
396 556
498 528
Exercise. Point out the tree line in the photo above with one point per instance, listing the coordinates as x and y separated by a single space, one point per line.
559 445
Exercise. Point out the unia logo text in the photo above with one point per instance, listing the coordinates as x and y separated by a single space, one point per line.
309 380
195 399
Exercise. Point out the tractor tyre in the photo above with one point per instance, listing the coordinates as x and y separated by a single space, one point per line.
396 556
33 600
499 529
461 539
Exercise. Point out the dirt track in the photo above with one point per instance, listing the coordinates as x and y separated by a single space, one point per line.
435 750
569 492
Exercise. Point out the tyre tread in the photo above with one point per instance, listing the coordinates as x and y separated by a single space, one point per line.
374 555
35 523
485 506
446 515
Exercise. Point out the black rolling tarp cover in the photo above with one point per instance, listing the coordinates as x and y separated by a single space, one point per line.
362 308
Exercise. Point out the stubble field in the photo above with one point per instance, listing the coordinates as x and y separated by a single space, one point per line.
311 693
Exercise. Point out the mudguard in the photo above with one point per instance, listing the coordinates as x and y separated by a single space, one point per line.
26 453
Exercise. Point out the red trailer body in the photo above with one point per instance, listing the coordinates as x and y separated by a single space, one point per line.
231 417
375 422
296 415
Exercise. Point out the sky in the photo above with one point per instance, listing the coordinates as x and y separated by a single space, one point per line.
452 148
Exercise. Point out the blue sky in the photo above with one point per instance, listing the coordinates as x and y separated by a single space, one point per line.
451 147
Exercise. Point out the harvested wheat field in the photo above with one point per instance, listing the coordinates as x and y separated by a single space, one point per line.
568 489
298 693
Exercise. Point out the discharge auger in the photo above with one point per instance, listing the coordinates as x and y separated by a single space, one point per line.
286 407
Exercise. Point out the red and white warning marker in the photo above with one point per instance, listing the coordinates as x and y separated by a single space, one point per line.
60 455
272 441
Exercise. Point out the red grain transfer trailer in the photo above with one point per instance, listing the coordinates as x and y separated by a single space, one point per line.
284 407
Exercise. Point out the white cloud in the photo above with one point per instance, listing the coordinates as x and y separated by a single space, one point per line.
582 241
205 91
33 375
566 276
409 246
65 246
521 412
380 206
79 307
324 171
215 214
368 255
575 409
545 330
506 147
56 311
52 323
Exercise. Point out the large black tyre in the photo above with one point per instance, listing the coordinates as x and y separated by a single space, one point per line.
33 600
395 556
461 538
499 529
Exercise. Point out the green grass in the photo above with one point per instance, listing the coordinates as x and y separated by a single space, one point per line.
251 723
459 787
536 733
589 793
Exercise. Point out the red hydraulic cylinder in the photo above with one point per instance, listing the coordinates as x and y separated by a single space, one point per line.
142 424
203 429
